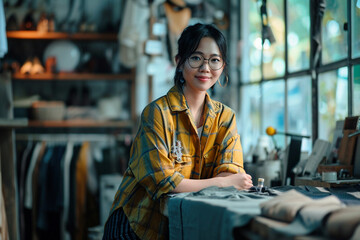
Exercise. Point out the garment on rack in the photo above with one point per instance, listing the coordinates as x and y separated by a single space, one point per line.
22 166
58 201
4 231
133 31
66 188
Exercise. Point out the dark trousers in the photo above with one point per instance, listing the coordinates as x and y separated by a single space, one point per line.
117 227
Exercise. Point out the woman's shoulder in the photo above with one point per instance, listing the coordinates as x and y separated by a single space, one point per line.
222 108
159 104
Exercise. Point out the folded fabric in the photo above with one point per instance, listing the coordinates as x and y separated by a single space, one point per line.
305 214
344 223
211 213
309 219
285 206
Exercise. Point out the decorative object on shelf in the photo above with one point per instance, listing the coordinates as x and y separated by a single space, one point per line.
32 67
43 24
29 22
67 55
48 110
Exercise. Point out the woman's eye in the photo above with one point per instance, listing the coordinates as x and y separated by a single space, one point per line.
195 58
215 60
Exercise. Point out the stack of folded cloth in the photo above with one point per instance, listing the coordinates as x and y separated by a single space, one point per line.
294 214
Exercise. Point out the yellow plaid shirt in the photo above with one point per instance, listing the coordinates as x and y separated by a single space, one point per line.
167 149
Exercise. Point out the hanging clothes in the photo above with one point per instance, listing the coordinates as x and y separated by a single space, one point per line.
4 231
59 187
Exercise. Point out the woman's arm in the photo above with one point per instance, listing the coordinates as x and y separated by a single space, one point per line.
239 181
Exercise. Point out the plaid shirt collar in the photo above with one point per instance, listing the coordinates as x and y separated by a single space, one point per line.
177 101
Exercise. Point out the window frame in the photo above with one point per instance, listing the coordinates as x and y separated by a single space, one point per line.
315 68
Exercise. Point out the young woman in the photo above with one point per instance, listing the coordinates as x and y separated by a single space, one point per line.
186 142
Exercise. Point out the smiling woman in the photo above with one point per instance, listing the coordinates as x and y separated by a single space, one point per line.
186 141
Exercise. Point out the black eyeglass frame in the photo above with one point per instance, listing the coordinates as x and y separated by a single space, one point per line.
208 60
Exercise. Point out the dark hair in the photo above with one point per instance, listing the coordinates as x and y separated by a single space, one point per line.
189 42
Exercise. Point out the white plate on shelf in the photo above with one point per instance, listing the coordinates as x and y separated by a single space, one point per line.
67 55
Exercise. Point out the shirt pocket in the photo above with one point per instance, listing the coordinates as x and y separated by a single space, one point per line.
182 165
210 157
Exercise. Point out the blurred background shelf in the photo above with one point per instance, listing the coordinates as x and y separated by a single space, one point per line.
73 76
81 123
61 35
13 123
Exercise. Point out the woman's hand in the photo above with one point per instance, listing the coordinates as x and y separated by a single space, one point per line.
239 180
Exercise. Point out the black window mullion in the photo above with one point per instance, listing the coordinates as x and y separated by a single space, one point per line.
350 75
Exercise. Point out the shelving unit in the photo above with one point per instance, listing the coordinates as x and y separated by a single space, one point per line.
74 76
101 83
60 35
81 123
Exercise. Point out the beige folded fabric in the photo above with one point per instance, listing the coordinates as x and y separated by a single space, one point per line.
286 206
344 223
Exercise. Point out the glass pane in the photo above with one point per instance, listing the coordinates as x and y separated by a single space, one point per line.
333 101
356 92
334 38
249 118
274 53
251 49
355 28
298 37
274 109
299 109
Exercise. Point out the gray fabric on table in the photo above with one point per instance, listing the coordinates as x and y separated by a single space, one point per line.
225 208
304 214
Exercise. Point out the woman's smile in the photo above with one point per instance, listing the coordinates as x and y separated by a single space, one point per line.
203 78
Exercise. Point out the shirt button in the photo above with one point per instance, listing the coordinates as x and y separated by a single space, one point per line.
206 126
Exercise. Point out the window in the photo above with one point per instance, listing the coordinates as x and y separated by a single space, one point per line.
252 51
250 120
299 108
273 111
334 38
355 16
356 94
298 38
333 101
274 53
286 99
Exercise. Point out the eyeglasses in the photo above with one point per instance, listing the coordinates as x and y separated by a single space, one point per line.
197 60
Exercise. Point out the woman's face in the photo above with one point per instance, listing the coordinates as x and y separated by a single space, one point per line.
200 79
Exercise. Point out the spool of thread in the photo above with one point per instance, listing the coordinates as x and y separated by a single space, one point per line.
260 183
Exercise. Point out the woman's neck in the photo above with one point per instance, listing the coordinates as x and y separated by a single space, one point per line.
196 104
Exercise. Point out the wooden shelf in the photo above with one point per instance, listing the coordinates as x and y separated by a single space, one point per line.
61 35
73 76
13 123
81 123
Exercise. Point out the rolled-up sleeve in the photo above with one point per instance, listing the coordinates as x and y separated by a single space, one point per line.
150 162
